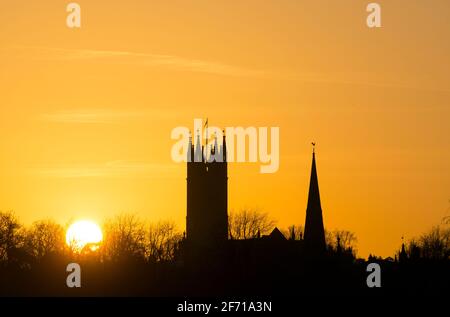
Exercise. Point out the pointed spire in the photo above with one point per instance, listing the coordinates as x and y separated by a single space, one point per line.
224 146
216 145
314 229
198 149
190 156
338 244
403 256
314 195
207 152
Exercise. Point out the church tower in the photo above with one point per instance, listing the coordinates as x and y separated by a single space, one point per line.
314 236
207 195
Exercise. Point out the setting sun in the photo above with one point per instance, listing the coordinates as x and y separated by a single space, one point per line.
82 233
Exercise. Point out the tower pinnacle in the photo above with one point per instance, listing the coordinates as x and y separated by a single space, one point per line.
314 230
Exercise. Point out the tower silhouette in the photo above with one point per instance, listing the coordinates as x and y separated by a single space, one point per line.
207 195
314 236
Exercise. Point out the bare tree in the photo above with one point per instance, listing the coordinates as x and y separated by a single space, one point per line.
11 236
293 231
412 249
249 223
347 240
124 237
44 237
446 220
163 239
435 244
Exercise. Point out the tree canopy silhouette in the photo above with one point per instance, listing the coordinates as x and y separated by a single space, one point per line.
249 223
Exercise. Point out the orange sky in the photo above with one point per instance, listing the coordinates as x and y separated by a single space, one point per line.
86 114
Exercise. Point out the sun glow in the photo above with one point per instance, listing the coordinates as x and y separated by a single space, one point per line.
82 233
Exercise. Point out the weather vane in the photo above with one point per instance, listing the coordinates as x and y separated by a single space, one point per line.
314 146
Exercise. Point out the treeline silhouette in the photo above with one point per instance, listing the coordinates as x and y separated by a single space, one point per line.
128 236
137 258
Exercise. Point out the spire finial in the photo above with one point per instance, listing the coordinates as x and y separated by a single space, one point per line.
314 147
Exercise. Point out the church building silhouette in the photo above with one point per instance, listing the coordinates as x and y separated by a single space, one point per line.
207 212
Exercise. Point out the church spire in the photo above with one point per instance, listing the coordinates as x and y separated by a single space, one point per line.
198 155
224 146
215 151
190 150
314 231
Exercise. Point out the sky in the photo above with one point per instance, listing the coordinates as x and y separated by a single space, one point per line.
86 114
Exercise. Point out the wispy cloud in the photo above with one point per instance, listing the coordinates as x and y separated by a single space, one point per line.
353 78
183 64
113 169
83 116
173 62
87 116
94 116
